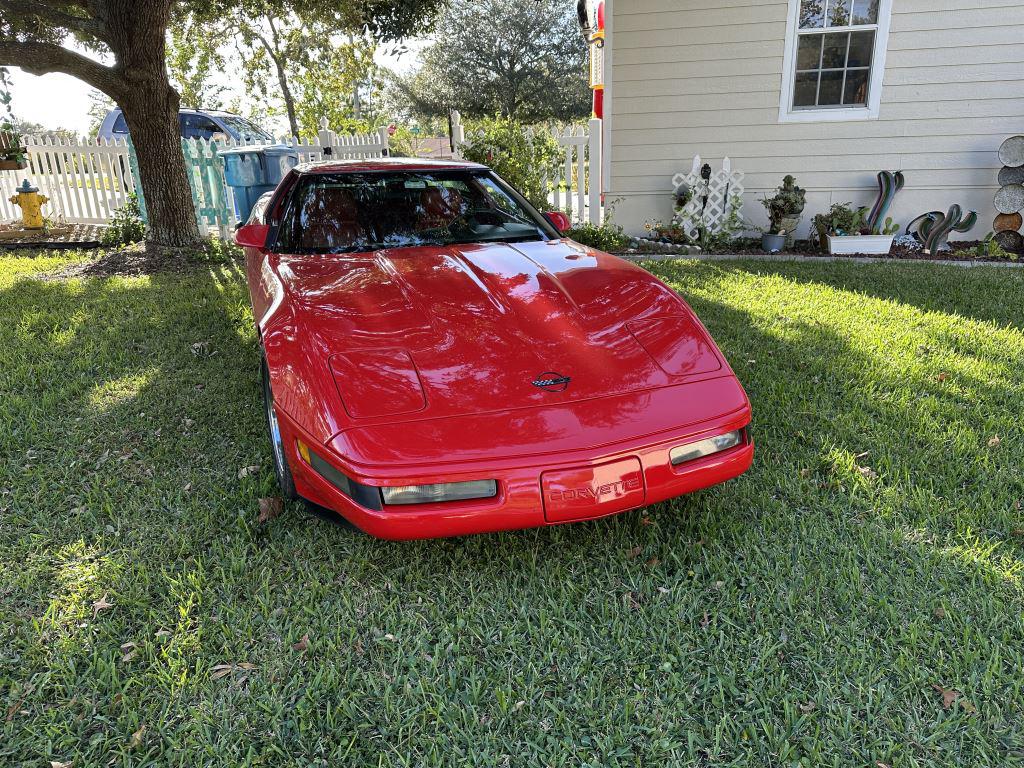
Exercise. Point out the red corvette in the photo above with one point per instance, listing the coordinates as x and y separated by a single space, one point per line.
439 360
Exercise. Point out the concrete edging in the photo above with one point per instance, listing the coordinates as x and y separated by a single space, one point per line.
800 258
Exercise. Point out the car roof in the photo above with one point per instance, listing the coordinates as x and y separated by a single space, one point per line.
386 164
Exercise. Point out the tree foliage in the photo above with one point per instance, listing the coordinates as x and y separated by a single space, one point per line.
338 85
194 54
524 59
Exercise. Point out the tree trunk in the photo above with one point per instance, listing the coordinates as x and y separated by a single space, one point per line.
286 92
151 111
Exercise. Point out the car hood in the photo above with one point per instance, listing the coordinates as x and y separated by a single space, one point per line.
470 328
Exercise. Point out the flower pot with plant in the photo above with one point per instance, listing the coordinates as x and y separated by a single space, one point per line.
12 153
784 211
845 231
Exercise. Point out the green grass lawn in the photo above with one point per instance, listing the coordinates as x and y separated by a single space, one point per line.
806 614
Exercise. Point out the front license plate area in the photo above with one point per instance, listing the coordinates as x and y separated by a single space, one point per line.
574 494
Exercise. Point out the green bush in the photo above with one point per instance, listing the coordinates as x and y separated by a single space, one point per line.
127 225
603 237
520 156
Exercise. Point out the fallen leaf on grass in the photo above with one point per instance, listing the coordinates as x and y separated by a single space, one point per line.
246 471
136 738
128 650
634 553
162 633
810 706
646 521
223 670
939 613
949 696
270 507
302 645
867 473
59 764
880 764
994 441
942 377
100 605
1017 532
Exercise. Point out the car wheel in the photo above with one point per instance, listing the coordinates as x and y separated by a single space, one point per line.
281 468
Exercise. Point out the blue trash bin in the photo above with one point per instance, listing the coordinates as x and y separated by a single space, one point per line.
254 170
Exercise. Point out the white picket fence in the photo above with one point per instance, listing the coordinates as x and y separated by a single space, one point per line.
87 180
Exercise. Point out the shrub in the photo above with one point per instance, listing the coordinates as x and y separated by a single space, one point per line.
603 237
522 157
127 225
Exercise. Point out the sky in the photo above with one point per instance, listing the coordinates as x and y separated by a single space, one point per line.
61 101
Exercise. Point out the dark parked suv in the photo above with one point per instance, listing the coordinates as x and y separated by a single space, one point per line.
195 124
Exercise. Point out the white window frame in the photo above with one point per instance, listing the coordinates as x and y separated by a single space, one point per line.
834 114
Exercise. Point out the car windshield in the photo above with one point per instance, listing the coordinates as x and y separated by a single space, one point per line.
244 128
347 213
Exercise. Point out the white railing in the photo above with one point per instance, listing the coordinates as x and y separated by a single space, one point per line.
574 183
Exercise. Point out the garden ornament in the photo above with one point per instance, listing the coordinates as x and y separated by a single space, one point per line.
889 183
933 228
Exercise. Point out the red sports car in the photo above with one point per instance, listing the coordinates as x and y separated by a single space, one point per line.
439 360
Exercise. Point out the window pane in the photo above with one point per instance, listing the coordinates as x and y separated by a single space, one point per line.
805 92
834 56
831 91
839 13
856 92
865 11
808 53
862 45
812 14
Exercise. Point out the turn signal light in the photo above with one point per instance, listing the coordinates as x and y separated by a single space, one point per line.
708 447
431 494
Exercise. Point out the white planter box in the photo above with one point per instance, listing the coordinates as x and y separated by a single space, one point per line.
875 244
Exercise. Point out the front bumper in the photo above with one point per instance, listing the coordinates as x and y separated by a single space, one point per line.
523 500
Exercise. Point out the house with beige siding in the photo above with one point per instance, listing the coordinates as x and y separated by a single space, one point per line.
832 91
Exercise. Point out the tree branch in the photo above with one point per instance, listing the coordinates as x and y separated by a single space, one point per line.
57 14
41 58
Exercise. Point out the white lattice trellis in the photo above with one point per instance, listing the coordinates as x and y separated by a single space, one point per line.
713 203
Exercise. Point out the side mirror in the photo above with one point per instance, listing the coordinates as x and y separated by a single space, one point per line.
558 220
252 235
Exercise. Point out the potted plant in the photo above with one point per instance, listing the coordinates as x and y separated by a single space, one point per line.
845 231
784 211
12 153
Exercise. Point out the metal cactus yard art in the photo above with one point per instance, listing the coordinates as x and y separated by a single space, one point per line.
889 183
933 228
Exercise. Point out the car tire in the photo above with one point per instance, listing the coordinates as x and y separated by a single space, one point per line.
278 453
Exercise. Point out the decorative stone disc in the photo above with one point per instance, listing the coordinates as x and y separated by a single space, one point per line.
1011 152
1010 175
1010 241
1010 198
1007 222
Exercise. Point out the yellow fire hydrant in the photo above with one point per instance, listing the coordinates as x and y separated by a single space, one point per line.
31 203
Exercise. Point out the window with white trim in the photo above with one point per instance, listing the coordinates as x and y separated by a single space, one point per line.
835 58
